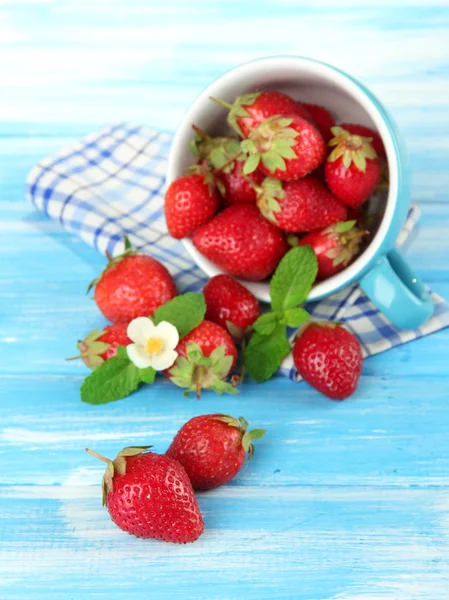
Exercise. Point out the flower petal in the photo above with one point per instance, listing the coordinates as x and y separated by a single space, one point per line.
140 329
168 333
164 360
138 356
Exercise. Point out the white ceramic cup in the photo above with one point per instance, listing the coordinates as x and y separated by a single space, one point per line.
379 268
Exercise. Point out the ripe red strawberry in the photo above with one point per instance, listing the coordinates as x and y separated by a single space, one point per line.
362 130
352 170
286 148
206 357
299 206
329 358
132 285
335 247
150 496
322 119
190 201
213 448
240 241
222 153
236 187
99 346
250 109
230 304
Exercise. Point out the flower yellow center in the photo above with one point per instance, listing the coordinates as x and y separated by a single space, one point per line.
154 346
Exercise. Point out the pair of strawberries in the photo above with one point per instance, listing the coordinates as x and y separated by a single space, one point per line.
151 495
272 183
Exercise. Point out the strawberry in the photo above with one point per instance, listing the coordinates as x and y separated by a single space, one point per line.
286 148
190 201
206 356
251 108
298 206
132 285
329 358
335 247
230 304
99 346
376 140
240 241
352 170
322 118
222 154
150 496
213 448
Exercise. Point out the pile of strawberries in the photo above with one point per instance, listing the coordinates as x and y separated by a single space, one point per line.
151 495
288 169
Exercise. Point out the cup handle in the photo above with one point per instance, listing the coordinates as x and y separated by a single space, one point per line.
397 291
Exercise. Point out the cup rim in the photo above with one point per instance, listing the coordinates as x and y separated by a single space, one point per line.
382 123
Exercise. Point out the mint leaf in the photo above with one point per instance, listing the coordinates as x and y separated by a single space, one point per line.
295 317
265 353
293 279
185 312
147 375
115 379
266 323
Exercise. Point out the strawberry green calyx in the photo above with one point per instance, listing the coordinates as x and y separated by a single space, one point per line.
196 371
91 348
247 436
268 196
349 238
219 151
118 465
237 110
128 251
205 170
351 148
270 143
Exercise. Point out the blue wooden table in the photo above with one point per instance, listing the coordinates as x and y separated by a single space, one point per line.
343 501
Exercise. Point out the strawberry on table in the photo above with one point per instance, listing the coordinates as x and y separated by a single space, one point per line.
230 304
251 108
335 246
329 358
352 170
362 130
132 285
322 118
299 206
150 496
213 448
284 147
206 356
240 241
99 346
190 201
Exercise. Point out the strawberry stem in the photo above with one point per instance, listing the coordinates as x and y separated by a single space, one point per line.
231 160
108 256
74 357
221 102
203 135
99 456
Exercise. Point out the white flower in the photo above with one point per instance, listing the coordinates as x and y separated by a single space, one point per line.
154 345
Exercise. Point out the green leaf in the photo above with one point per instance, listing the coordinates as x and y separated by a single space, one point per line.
266 323
251 164
293 279
343 226
295 317
115 379
256 434
273 161
265 353
185 312
147 375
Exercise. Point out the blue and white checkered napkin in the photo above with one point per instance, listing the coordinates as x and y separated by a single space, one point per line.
111 183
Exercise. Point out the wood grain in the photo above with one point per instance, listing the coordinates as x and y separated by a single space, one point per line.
343 501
